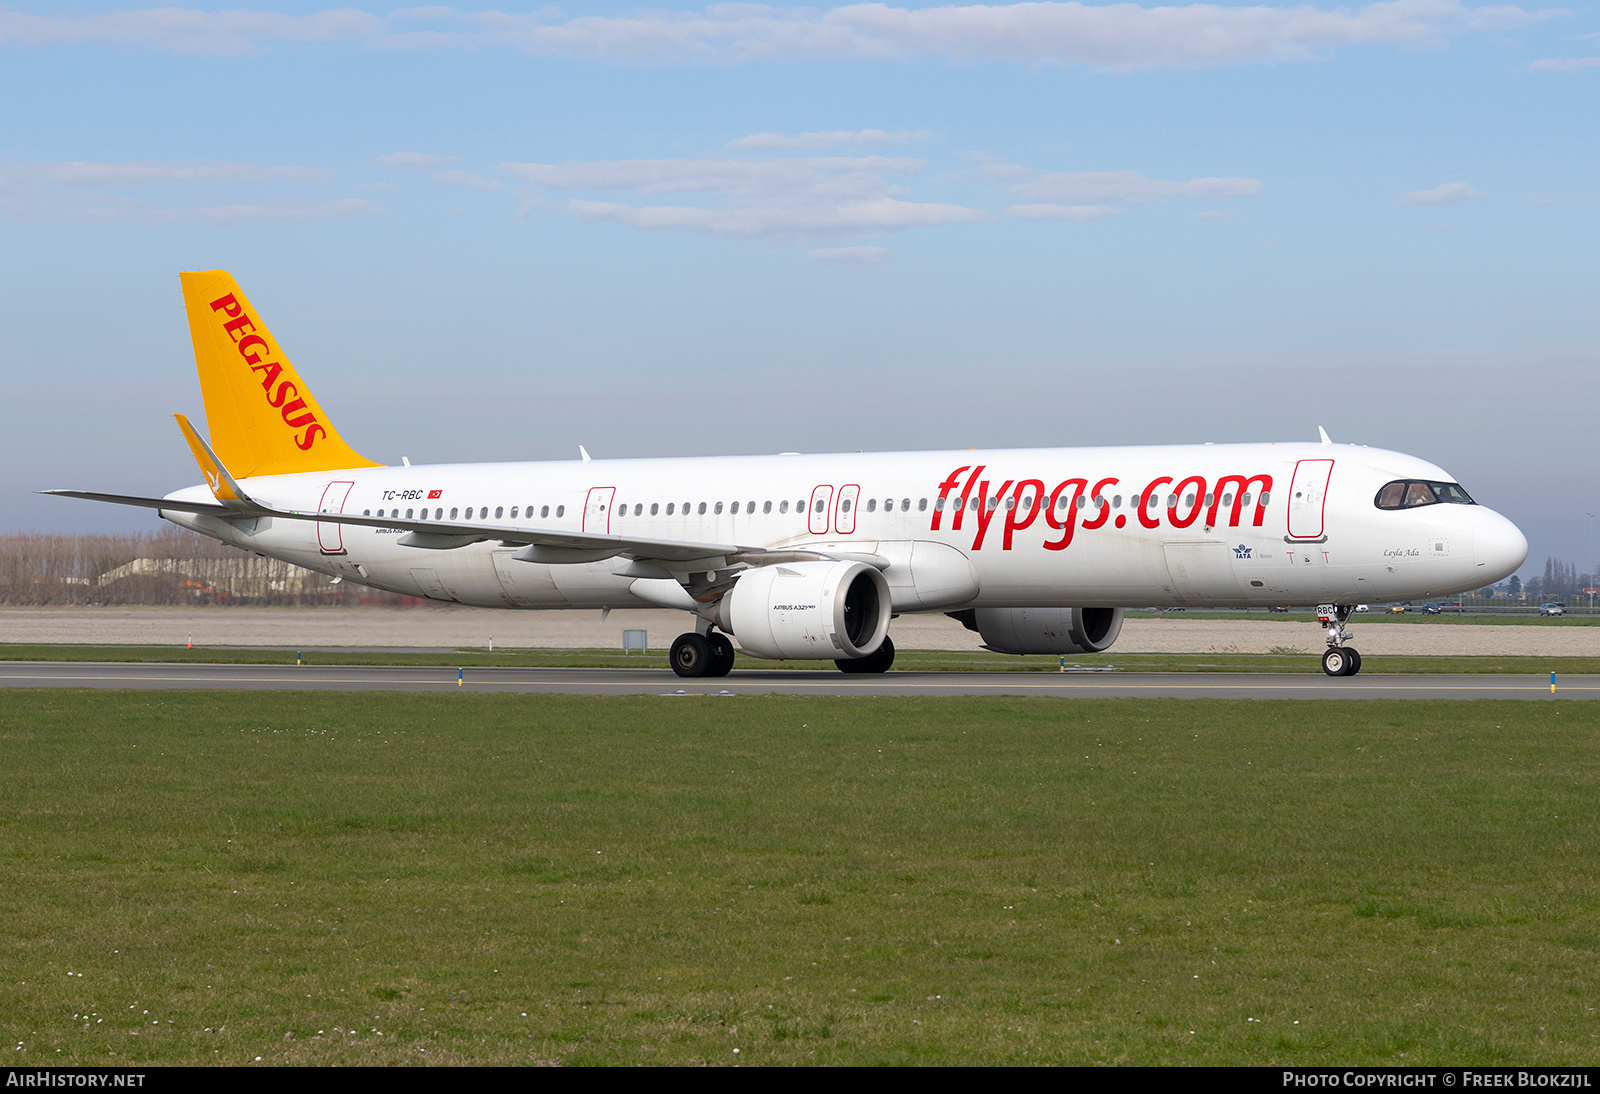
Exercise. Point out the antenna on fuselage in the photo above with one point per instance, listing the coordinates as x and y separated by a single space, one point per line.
1323 433
584 452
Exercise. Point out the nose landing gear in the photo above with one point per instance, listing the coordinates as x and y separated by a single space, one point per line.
1339 659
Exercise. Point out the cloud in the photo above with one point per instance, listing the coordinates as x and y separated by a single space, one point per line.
1116 37
784 142
410 159
81 190
421 161
154 173
290 212
1564 64
851 256
1448 194
795 200
1093 195
1126 188
1062 212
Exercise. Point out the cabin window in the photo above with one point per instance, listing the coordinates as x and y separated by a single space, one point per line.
408 514
1011 503
1188 499
670 507
939 505
514 512
561 510
1099 502
1209 498
922 504
1116 501
846 505
1227 499
766 507
1266 498
1245 500
734 509
783 507
452 512
702 509
872 505
655 507
638 508
750 507
719 508
1082 501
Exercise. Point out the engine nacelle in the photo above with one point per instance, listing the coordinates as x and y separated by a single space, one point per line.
1044 630
815 611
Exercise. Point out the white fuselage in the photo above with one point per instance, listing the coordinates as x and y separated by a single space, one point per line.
1231 525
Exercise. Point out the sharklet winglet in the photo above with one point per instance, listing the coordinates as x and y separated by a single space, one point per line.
218 479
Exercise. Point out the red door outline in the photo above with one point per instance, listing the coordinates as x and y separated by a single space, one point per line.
597 509
817 523
330 537
844 513
1308 498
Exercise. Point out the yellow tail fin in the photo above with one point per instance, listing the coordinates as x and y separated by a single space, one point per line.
262 418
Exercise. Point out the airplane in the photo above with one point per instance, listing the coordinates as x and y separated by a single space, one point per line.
812 556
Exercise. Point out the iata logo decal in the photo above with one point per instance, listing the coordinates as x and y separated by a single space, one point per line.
254 349
1241 551
1183 501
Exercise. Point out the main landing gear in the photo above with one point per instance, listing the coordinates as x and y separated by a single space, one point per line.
1339 659
702 655
878 660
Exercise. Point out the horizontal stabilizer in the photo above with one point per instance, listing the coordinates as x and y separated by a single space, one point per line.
208 508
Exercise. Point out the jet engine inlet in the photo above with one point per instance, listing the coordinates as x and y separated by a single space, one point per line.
817 611
1045 630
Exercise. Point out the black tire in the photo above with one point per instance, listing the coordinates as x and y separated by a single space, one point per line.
1336 661
721 654
1355 660
878 660
691 655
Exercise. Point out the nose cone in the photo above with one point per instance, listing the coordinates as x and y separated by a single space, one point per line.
1498 547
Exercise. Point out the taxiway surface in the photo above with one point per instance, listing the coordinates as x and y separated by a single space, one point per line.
92 674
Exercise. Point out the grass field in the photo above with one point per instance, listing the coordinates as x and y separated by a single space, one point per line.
374 878
1304 661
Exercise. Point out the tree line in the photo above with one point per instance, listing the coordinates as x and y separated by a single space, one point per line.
166 566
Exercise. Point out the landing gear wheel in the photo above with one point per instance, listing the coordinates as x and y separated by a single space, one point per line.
691 655
878 660
1338 662
1355 660
721 654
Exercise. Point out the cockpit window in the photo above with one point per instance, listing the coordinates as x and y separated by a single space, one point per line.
1403 494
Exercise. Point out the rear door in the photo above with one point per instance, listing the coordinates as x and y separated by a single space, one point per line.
1308 498
330 538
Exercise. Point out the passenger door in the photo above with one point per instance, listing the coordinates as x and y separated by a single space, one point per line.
1308 496
844 518
817 510
330 538
597 510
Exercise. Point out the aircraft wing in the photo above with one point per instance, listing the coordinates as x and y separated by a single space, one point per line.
548 545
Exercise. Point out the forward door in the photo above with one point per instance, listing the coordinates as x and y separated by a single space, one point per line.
1308 499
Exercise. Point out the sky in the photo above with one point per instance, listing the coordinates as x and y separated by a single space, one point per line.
738 228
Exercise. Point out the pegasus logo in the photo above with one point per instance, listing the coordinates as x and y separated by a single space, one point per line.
241 328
